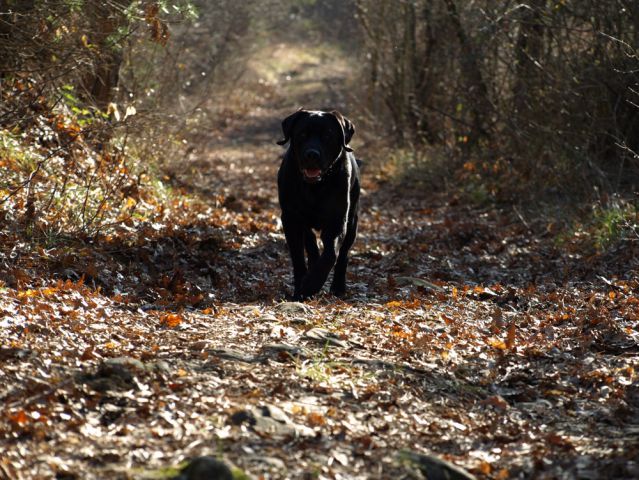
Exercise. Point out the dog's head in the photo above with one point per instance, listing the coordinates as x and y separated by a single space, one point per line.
317 140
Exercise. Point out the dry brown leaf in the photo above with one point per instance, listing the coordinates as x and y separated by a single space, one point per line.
511 336
316 419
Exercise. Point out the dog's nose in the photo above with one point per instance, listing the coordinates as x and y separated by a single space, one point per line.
312 155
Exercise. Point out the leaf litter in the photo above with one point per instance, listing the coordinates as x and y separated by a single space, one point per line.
469 339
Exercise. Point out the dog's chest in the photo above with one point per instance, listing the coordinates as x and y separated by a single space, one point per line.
318 206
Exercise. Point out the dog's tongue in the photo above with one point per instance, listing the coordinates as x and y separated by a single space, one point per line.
312 172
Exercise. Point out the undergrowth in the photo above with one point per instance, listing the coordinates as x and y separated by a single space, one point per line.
73 172
614 222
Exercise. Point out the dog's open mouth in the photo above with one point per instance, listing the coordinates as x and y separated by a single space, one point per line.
312 174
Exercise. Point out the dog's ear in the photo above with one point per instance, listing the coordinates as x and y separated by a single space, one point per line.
287 125
347 128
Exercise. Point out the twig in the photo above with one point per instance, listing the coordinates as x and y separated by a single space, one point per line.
521 217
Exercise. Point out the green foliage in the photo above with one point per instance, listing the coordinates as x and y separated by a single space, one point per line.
163 473
319 369
604 226
614 223
184 9
239 474
83 115
75 6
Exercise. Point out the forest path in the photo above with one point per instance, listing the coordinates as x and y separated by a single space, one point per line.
238 157
466 334
460 334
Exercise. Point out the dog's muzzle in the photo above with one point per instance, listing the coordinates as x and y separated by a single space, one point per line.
311 172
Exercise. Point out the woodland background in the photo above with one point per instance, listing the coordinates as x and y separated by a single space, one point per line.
138 223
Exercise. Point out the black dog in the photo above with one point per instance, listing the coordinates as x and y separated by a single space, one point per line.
318 185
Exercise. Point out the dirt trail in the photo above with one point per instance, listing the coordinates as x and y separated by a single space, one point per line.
477 367
242 156
466 335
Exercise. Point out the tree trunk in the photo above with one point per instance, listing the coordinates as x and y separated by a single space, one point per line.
104 20
528 50
410 70
478 101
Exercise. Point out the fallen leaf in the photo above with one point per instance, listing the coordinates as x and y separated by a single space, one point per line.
171 320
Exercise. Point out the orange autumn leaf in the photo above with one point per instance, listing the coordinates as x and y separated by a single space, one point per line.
19 417
316 419
447 319
496 343
394 304
503 474
559 440
171 320
27 293
496 401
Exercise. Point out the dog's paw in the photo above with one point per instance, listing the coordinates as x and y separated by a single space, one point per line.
298 297
338 289
338 292
286 296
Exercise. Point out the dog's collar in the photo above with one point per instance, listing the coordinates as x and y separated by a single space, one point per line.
335 162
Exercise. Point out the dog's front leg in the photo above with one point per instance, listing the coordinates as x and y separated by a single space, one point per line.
316 277
338 288
294 233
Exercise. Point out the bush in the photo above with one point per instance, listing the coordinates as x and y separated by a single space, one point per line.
86 92
550 87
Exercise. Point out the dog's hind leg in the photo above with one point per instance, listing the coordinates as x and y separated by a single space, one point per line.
316 276
338 286
312 251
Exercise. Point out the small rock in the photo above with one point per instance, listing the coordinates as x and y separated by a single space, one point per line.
243 416
271 420
200 345
325 337
299 321
284 352
275 413
230 354
292 308
127 362
205 468
160 366
113 375
435 468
